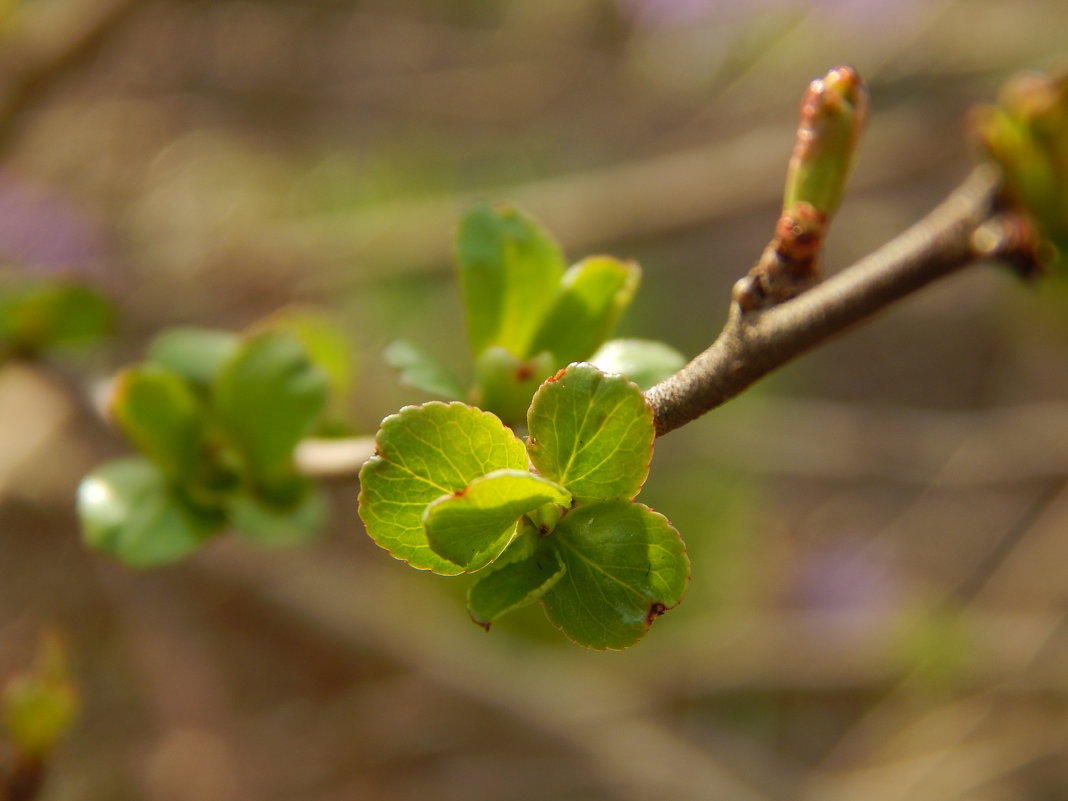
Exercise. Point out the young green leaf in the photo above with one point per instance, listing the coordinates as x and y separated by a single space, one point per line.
196 354
473 526
626 565
593 295
506 383
643 361
421 370
268 523
324 341
510 269
513 582
268 396
129 511
592 433
53 313
160 414
422 453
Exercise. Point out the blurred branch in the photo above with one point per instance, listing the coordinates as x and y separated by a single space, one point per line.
754 343
48 46
589 708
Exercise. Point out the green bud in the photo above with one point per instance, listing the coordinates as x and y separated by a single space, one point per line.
834 110
39 706
1027 135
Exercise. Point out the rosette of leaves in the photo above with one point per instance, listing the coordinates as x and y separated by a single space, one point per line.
549 520
216 417
528 316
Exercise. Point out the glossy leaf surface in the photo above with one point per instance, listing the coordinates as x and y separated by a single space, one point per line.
592 433
593 295
422 453
512 583
625 566
643 361
510 269
473 526
129 511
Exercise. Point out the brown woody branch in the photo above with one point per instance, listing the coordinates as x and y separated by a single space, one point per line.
755 342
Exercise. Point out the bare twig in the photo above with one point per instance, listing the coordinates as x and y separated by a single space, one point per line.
50 45
755 343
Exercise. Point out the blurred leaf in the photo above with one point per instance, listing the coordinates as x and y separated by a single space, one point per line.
593 295
643 361
196 354
473 526
162 417
505 384
39 315
40 705
268 396
592 433
261 521
421 370
513 582
127 510
625 565
325 342
422 453
510 269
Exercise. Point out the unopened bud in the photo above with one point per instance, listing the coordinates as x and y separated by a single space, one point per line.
834 110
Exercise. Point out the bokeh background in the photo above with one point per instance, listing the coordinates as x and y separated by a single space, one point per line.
879 532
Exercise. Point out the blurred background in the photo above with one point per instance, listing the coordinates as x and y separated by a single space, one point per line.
879 532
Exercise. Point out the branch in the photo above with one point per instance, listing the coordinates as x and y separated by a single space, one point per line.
49 47
754 343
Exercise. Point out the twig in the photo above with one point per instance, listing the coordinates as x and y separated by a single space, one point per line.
753 344
50 46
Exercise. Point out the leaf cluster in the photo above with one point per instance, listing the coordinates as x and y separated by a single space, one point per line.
529 315
550 519
40 315
216 417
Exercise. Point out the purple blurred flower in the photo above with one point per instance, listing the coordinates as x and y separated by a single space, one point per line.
42 232
845 584
668 13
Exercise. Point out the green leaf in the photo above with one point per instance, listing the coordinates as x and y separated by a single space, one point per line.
268 523
510 269
626 565
513 582
643 361
422 453
505 384
53 313
268 396
324 341
162 416
422 371
473 526
591 432
593 295
128 510
196 354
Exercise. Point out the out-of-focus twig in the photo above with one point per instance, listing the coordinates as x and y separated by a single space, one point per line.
49 44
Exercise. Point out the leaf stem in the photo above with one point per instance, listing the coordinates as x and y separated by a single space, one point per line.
754 343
